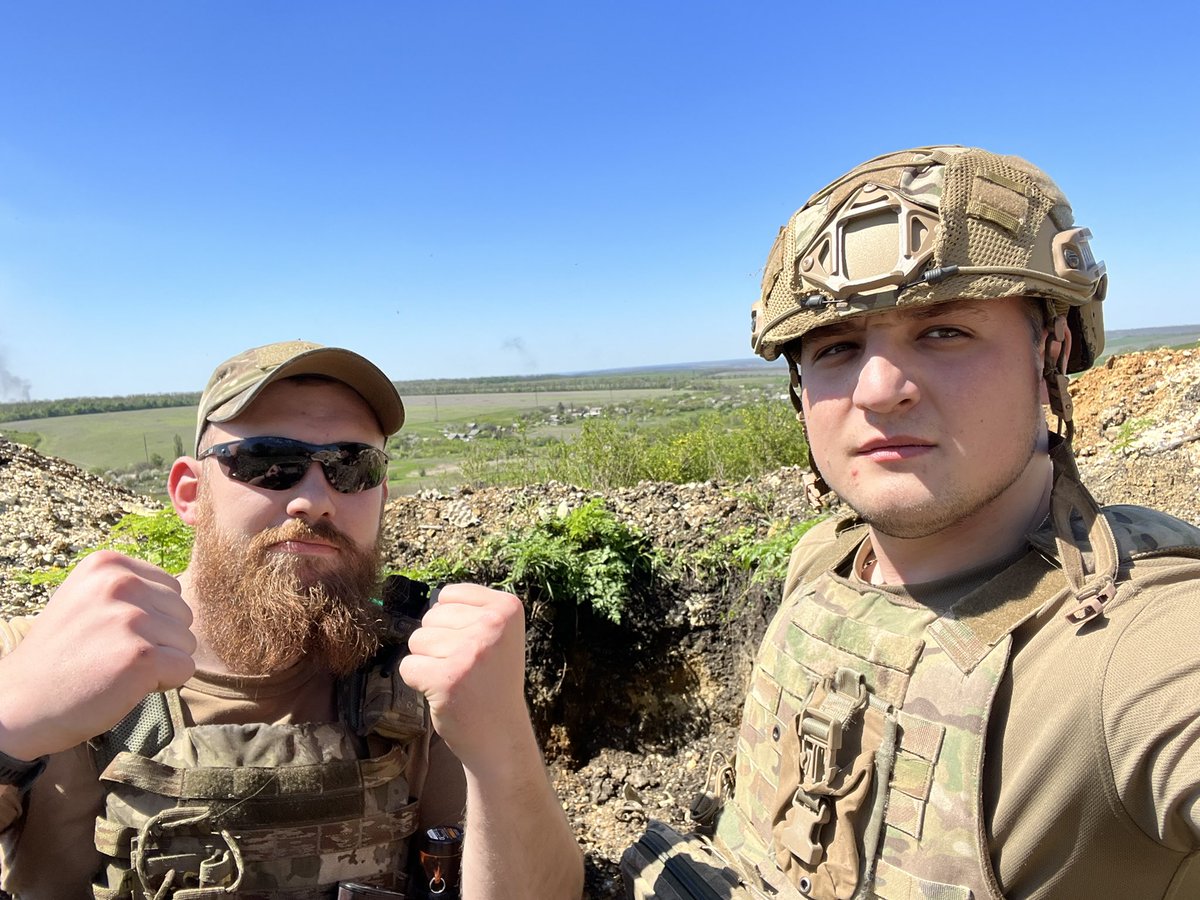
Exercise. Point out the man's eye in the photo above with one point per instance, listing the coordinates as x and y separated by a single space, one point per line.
945 331
829 350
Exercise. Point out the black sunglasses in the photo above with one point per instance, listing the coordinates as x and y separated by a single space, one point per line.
278 463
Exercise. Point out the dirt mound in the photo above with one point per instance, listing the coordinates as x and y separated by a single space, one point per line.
49 511
1137 430
631 712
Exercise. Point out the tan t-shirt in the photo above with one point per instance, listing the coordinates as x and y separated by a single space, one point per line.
1092 768
48 853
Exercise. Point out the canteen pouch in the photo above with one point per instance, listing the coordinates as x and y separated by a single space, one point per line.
835 764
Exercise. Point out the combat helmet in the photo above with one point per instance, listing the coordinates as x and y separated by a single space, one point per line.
926 226
935 224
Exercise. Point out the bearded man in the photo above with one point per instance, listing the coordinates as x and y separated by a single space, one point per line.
272 724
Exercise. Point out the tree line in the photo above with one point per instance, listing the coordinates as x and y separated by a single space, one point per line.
79 406
601 381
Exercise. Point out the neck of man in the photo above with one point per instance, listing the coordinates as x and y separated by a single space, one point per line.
995 531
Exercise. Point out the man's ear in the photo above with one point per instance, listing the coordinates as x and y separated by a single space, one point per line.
183 487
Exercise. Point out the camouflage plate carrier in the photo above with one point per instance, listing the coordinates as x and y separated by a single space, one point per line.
263 811
860 758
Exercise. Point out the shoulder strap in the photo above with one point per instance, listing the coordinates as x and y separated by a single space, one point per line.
374 699
825 546
145 730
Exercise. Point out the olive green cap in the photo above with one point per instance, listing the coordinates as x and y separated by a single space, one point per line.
237 381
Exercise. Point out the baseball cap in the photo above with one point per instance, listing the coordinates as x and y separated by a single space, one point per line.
237 381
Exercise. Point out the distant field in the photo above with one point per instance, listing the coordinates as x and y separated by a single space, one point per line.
429 413
1131 339
112 440
422 457
115 441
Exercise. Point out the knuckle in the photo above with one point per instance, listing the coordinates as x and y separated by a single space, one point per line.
511 605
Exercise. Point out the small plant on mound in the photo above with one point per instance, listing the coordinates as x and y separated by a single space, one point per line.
1129 431
159 538
585 554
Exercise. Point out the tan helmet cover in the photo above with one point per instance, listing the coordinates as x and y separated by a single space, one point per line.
926 226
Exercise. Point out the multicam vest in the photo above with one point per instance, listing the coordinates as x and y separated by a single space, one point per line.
860 758
261 811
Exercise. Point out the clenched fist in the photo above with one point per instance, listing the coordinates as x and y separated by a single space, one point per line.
468 659
116 630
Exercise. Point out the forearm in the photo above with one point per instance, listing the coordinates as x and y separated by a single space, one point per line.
518 841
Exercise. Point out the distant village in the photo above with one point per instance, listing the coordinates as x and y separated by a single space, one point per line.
472 430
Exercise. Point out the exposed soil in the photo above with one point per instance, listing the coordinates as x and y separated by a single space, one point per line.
631 713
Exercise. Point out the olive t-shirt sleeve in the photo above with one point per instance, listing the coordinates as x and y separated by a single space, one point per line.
1151 717
11 800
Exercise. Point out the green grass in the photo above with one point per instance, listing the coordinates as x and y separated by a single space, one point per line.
422 457
583 555
112 440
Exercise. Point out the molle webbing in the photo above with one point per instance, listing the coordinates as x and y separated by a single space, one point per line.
170 830
279 794
261 811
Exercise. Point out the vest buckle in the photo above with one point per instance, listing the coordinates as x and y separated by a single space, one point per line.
1089 603
802 836
820 741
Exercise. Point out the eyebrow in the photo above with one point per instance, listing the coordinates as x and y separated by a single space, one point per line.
968 308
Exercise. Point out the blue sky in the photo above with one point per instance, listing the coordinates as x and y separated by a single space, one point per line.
461 189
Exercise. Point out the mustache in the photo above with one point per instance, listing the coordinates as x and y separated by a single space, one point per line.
300 530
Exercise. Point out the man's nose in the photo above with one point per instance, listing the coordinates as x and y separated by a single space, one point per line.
884 383
313 496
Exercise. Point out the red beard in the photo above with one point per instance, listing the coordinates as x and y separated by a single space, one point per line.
260 610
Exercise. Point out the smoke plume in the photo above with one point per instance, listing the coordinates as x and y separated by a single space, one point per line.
12 387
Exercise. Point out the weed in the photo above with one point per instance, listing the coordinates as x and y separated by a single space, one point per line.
159 538
1129 431
585 554
440 570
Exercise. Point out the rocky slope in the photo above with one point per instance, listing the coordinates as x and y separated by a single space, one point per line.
632 713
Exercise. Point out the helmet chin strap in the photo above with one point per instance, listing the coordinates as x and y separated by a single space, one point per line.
814 484
1054 368
1092 576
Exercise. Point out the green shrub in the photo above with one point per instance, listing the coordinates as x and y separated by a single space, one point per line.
607 453
159 537
584 554
767 560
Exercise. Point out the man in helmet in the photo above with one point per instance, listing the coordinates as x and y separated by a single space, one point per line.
271 724
979 684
